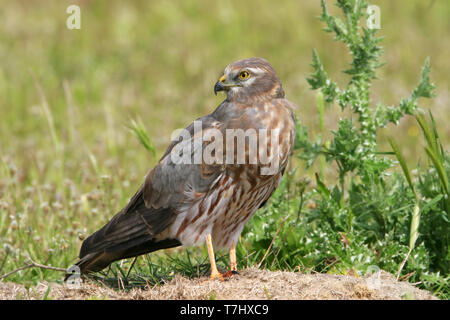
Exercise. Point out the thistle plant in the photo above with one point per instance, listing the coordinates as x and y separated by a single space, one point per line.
393 221
353 146
398 222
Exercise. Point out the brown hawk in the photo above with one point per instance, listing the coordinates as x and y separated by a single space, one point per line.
208 200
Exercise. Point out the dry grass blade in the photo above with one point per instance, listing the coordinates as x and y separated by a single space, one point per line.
273 239
47 113
31 265
415 219
413 235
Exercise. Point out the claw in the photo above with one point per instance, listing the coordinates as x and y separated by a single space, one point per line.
229 273
217 275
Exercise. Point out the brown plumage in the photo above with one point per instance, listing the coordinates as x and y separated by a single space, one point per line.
190 203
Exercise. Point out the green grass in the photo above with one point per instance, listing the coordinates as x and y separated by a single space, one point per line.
68 160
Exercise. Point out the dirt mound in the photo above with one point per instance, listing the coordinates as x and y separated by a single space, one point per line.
248 285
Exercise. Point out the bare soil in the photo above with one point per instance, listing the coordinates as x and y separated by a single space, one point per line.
248 285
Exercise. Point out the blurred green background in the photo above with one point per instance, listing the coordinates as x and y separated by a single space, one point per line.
68 160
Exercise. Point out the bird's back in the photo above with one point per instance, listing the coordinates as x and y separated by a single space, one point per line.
241 188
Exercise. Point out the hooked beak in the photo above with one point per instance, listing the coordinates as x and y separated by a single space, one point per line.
223 85
218 87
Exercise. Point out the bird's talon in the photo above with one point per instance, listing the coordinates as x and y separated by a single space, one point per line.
217 276
229 273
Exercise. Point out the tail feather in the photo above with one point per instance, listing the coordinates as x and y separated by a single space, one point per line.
130 233
97 261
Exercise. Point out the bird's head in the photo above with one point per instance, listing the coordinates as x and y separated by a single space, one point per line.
250 79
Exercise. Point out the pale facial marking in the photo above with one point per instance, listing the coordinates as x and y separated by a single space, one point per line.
256 71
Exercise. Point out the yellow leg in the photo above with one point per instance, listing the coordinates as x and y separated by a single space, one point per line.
214 272
233 263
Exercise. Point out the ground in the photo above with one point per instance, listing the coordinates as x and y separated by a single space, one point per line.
250 284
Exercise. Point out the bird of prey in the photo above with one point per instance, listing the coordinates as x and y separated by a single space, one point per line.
195 202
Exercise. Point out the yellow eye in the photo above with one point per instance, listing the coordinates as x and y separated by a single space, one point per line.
243 75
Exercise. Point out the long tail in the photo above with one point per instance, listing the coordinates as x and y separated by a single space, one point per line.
97 261
130 233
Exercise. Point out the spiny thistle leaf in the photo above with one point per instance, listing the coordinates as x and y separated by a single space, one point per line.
319 77
425 88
